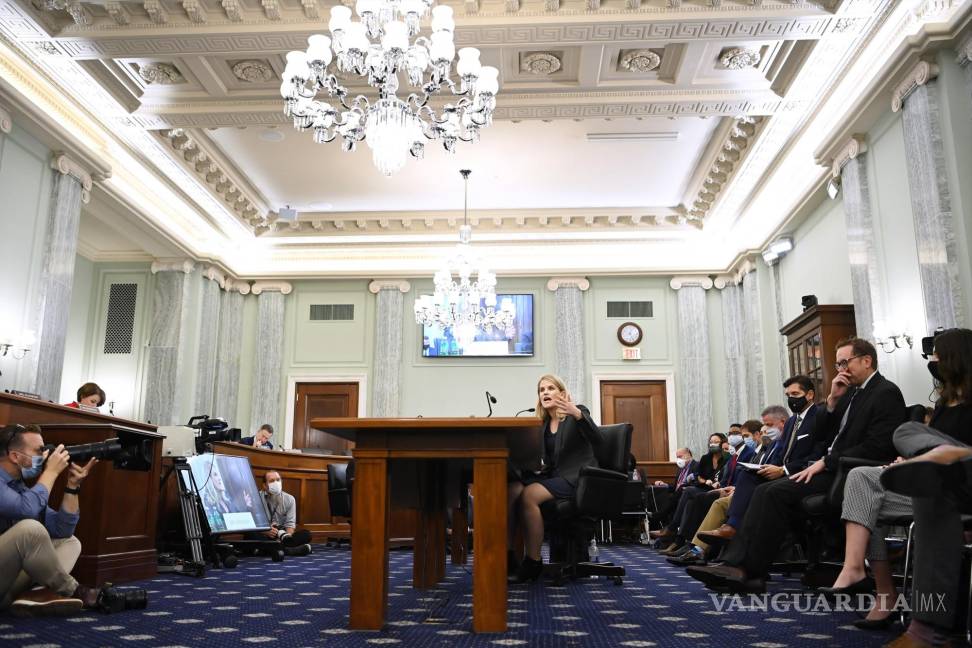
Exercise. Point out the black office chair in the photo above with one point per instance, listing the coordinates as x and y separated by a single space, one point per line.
600 495
340 482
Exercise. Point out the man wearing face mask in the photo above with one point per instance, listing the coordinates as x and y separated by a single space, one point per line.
282 508
37 543
687 469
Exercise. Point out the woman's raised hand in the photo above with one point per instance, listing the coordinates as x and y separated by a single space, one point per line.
566 407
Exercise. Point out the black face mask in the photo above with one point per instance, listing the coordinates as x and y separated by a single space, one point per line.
933 370
713 449
796 403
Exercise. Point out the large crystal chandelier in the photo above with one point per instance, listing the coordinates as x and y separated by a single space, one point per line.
459 303
378 48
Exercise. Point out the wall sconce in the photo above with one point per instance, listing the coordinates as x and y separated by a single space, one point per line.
890 342
833 187
17 347
777 250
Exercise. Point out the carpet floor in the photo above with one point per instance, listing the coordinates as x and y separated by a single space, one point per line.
304 602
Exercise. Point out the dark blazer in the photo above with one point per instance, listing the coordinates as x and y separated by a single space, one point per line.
574 445
249 441
706 471
874 415
691 470
802 452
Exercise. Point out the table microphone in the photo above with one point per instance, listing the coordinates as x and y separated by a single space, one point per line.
529 409
490 401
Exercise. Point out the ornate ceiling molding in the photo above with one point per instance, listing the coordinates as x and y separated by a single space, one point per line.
850 150
283 287
6 121
67 165
581 283
739 58
743 266
540 63
917 76
215 176
173 265
160 74
681 281
213 273
253 71
378 285
235 285
638 61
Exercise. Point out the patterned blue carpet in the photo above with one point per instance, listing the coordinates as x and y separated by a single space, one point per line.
304 602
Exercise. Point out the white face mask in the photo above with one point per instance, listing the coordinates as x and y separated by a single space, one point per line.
275 487
680 462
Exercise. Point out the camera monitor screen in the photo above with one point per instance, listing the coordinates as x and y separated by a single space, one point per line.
229 493
438 342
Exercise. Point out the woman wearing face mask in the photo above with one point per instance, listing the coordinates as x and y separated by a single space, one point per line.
866 499
569 435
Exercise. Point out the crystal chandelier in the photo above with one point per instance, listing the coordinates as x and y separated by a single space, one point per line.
379 48
464 305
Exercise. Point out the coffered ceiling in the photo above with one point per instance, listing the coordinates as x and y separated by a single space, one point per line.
613 116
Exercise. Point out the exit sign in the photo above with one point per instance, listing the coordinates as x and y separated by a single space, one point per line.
631 353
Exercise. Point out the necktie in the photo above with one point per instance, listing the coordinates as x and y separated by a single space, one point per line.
793 435
843 421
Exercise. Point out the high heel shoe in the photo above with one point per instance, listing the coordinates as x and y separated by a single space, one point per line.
877 624
863 586
529 570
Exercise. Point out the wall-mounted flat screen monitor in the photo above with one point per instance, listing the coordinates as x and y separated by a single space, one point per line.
229 494
438 342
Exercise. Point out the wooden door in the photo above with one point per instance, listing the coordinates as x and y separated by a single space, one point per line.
317 400
644 405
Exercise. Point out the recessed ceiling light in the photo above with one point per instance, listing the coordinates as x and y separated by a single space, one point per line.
271 135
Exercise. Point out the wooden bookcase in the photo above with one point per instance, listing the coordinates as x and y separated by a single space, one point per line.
811 339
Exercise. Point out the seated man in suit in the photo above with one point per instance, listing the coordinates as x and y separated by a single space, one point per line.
790 455
863 410
261 439
687 469
710 466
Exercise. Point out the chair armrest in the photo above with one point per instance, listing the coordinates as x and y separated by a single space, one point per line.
601 473
600 493
846 464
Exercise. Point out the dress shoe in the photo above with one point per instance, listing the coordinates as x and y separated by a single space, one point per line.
719 536
661 534
44 602
693 556
863 586
877 624
300 550
748 586
529 570
672 549
717 575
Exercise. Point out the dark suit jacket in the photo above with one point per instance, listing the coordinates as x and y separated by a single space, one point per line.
874 415
574 445
803 449
691 470
249 441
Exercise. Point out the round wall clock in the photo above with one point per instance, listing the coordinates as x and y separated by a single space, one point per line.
629 334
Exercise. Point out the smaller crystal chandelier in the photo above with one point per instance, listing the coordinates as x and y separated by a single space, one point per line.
465 306
380 48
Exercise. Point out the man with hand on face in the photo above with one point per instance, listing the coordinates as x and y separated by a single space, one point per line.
863 410
261 439
37 544
282 508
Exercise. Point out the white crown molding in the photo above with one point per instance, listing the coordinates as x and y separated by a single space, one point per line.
213 273
564 282
6 120
283 287
66 165
173 265
231 285
681 281
919 75
378 285
850 150
721 281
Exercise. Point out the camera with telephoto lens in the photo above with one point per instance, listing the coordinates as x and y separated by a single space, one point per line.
111 599
928 343
128 451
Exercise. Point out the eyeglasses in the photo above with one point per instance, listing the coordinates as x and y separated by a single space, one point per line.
843 363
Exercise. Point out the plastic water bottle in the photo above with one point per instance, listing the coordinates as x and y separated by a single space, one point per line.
593 550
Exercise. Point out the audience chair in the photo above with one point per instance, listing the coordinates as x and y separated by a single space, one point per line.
600 495
340 481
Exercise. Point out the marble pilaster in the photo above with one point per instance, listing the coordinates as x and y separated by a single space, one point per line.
569 344
693 380
209 306
226 392
784 356
390 313
57 279
265 400
167 329
753 355
860 245
733 332
931 207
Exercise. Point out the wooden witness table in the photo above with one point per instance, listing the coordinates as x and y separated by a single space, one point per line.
425 457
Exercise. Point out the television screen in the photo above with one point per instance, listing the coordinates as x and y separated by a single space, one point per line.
229 494
438 342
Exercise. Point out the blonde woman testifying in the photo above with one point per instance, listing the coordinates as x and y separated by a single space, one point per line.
569 433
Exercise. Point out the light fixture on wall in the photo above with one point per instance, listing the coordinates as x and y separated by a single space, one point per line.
461 304
777 250
379 47
17 347
890 341
833 187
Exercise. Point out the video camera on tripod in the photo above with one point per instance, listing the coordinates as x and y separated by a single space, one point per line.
194 437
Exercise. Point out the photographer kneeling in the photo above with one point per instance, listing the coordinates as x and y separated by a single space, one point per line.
37 545
283 517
